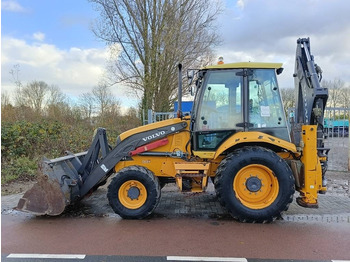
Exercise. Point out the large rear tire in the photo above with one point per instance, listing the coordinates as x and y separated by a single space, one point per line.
134 192
254 184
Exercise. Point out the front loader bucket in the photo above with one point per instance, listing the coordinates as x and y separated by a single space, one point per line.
52 192
44 198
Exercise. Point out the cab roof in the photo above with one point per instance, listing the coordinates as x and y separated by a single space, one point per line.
245 65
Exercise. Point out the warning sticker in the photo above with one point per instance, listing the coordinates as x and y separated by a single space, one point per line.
265 111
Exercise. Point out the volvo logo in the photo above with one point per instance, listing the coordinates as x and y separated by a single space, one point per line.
155 135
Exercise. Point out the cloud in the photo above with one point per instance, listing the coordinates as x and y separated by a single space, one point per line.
266 31
39 36
75 70
12 6
240 4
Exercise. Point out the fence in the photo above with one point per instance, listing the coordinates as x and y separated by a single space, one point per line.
336 134
336 127
160 116
336 122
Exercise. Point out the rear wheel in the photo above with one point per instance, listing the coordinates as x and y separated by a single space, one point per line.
134 192
254 184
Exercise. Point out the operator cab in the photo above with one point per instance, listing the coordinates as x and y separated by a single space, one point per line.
237 97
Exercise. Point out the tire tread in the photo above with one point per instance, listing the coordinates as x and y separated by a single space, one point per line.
250 151
124 172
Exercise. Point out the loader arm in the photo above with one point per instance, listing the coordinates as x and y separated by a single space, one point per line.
106 166
65 180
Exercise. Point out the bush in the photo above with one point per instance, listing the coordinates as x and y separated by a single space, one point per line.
21 168
23 138
51 138
26 137
24 142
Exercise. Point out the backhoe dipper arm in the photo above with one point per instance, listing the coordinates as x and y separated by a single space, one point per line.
311 98
307 127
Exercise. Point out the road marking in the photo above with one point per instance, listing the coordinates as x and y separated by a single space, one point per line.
211 259
340 260
56 256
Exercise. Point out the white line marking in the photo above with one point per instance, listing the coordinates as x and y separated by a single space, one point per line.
57 256
211 259
340 260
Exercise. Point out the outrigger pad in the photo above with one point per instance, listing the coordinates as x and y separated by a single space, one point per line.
44 198
302 203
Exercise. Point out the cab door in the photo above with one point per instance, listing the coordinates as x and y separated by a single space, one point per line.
265 108
218 109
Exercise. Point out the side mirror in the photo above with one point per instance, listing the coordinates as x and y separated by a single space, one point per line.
279 70
190 76
192 88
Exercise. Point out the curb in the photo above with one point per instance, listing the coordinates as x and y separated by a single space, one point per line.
341 218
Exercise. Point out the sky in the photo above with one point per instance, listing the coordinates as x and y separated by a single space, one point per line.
52 41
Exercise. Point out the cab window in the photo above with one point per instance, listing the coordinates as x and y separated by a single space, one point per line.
221 107
265 107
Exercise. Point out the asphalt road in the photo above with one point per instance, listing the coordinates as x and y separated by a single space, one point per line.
162 237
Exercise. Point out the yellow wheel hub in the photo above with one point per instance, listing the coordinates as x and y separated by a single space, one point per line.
132 194
256 186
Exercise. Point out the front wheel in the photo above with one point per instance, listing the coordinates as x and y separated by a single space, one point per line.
134 192
254 184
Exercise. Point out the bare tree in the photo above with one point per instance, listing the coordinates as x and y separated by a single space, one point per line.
335 89
104 99
14 72
345 98
57 104
87 104
55 95
288 98
5 99
32 95
148 38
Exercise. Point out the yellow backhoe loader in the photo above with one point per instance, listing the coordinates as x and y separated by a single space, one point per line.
237 136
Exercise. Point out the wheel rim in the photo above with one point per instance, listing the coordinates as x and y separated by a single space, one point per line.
132 194
256 186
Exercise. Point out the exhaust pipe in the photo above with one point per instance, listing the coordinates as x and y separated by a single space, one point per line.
179 99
